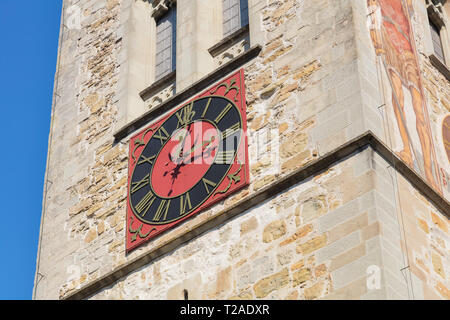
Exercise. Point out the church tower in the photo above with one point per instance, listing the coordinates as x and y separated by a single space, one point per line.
248 149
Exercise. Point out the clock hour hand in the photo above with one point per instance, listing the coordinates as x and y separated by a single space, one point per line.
204 150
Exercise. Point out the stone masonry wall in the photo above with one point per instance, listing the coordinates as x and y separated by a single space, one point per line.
437 91
320 239
297 245
303 100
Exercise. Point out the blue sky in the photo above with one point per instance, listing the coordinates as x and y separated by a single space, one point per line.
29 40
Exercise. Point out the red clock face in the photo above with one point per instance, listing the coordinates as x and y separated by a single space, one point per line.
187 161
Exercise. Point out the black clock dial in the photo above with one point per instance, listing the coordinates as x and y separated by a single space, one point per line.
185 160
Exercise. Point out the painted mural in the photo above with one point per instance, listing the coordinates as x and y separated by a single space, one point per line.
393 39
446 135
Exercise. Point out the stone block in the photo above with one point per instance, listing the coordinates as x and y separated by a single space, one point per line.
274 282
274 230
312 245
339 215
356 269
343 244
349 226
301 276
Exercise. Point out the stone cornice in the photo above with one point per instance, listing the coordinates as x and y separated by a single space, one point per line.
182 235
158 85
228 41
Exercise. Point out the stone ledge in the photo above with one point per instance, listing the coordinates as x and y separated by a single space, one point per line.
366 140
158 85
440 66
198 86
228 41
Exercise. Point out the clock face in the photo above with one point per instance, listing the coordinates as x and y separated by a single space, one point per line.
187 161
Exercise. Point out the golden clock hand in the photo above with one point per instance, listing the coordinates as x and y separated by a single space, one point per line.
206 151
179 153
204 144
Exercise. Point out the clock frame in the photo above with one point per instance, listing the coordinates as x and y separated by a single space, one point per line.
191 158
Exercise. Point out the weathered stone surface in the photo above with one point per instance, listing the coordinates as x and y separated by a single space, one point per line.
274 230
301 276
312 245
300 233
439 222
249 225
312 87
91 235
314 291
264 182
294 145
274 282
298 265
314 207
437 264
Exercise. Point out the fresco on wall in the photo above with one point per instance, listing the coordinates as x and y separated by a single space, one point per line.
446 135
393 40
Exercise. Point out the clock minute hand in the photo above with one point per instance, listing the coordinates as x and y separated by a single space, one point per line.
180 153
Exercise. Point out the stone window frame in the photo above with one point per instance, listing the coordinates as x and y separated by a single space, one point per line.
138 59
163 88
437 15
140 97
234 43
167 18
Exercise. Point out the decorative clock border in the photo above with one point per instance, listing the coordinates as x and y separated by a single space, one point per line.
237 176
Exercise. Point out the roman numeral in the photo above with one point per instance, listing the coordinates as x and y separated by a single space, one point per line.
162 135
207 183
162 209
224 157
145 203
145 159
184 202
206 108
231 130
185 115
223 113
135 186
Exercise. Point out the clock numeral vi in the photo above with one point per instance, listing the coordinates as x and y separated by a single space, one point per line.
184 202
162 209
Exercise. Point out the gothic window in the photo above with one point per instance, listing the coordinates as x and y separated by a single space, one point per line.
166 43
235 15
